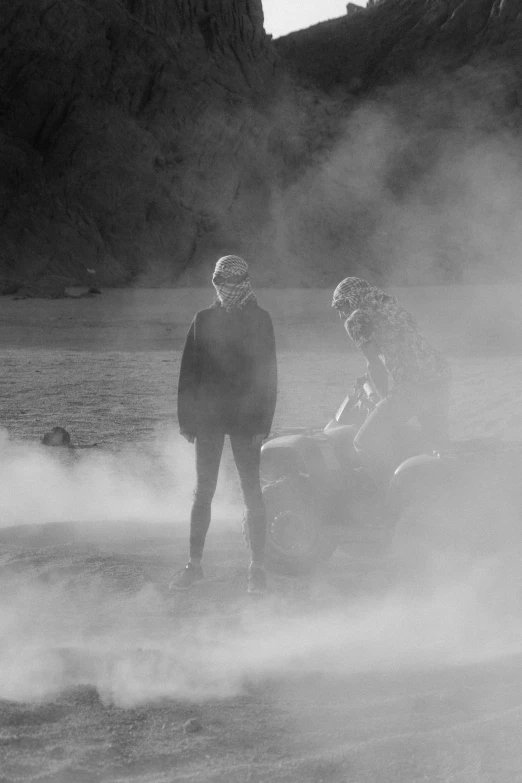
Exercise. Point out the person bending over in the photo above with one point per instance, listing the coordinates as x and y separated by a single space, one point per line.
395 351
228 386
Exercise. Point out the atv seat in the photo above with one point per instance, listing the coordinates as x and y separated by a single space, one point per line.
341 438
473 446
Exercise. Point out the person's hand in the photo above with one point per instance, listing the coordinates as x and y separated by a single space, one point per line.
258 439
188 437
361 380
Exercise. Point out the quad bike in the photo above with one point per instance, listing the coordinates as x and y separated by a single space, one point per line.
463 498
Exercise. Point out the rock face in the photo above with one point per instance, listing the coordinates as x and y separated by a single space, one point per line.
142 138
392 39
421 181
127 130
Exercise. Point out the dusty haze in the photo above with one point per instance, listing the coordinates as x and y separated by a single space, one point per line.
89 544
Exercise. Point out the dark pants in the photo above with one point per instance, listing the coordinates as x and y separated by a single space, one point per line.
209 448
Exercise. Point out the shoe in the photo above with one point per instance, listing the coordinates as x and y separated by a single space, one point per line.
186 578
256 579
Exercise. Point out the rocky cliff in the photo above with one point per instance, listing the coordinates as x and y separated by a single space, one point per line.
423 180
141 138
393 39
129 135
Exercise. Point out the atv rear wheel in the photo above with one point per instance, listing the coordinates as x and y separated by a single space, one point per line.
430 530
296 539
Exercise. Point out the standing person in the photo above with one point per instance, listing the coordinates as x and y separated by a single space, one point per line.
394 349
228 386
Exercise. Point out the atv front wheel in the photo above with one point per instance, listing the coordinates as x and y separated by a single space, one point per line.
296 539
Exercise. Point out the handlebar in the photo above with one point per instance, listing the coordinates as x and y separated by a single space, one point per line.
365 394
363 398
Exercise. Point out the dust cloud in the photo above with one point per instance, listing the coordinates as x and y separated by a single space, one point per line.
151 482
421 186
139 645
76 628
134 650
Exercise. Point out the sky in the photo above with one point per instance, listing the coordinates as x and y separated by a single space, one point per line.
286 16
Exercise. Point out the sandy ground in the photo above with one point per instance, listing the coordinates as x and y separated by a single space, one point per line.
343 676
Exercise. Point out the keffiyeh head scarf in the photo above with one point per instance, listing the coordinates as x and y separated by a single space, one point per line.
232 284
353 293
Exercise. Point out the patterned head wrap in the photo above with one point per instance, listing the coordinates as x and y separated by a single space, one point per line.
232 284
356 293
375 315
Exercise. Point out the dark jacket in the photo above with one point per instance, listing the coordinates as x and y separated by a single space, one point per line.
228 375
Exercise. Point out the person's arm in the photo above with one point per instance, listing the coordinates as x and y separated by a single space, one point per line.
187 386
361 328
267 375
376 369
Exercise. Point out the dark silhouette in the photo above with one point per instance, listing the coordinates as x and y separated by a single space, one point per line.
228 386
